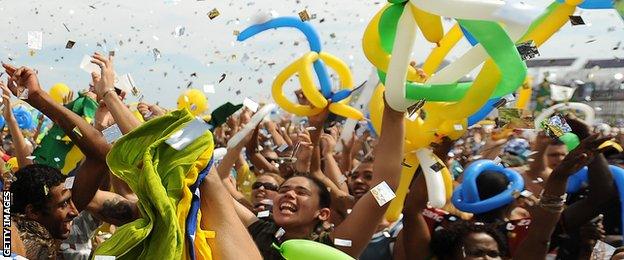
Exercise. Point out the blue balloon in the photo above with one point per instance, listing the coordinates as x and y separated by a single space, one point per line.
594 4
310 34
466 196
23 118
471 39
340 95
579 179
483 112
2 122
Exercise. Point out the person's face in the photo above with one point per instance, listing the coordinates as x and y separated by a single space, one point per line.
554 154
618 256
297 204
61 211
359 181
478 246
265 188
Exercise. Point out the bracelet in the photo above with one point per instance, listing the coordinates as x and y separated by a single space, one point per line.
106 93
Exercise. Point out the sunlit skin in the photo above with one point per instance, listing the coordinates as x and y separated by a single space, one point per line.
296 207
60 213
478 246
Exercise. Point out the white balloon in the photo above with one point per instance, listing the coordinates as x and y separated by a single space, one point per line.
399 62
435 182
515 18
586 109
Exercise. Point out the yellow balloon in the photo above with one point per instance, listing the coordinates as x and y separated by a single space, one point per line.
307 84
59 91
524 94
437 55
12 164
193 100
303 66
277 92
346 111
430 24
410 164
371 44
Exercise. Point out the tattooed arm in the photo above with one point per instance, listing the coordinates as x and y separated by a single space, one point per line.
113 208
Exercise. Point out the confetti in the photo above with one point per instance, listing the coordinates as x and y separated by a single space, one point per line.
209 88
576 20
263 214
527 50
213 13
112 133
437 167
304 16
222 78
69 182
23 94
70 44
35 40
157 54
76 130
66 28
252 105
179 31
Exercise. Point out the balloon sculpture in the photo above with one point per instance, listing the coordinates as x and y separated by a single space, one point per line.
193 100
466 196
493 27
337 102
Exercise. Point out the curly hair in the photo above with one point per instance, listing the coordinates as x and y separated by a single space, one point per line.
444 242
29 188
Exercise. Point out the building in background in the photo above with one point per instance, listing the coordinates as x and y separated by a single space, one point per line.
598 83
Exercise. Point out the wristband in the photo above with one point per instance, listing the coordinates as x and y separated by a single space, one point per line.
106 93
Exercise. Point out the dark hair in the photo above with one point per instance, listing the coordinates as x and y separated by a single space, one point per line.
445 241
490 184
31 185
555 142
324 195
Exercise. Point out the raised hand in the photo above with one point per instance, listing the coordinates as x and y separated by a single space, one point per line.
23 82
328 143
580 156
105 81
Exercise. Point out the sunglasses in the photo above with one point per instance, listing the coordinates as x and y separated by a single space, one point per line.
266 185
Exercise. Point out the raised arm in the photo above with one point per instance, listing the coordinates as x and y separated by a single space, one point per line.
219 214
87 138
414 238
19 142
546 214
601 186
105 90
360 225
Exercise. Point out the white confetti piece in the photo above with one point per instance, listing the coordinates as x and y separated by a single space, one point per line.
193 130
104 257
263 214
112 133
209 88
69 182
252 105
458 127
35 40
87 66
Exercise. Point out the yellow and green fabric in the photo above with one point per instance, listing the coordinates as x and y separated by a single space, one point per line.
56 149
165 181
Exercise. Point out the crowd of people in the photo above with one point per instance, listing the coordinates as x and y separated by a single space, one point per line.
293 178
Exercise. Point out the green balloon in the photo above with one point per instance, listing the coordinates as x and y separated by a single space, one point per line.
499 46
571 140
301 249
388 26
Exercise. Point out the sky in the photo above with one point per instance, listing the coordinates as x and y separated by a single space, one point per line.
208 48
